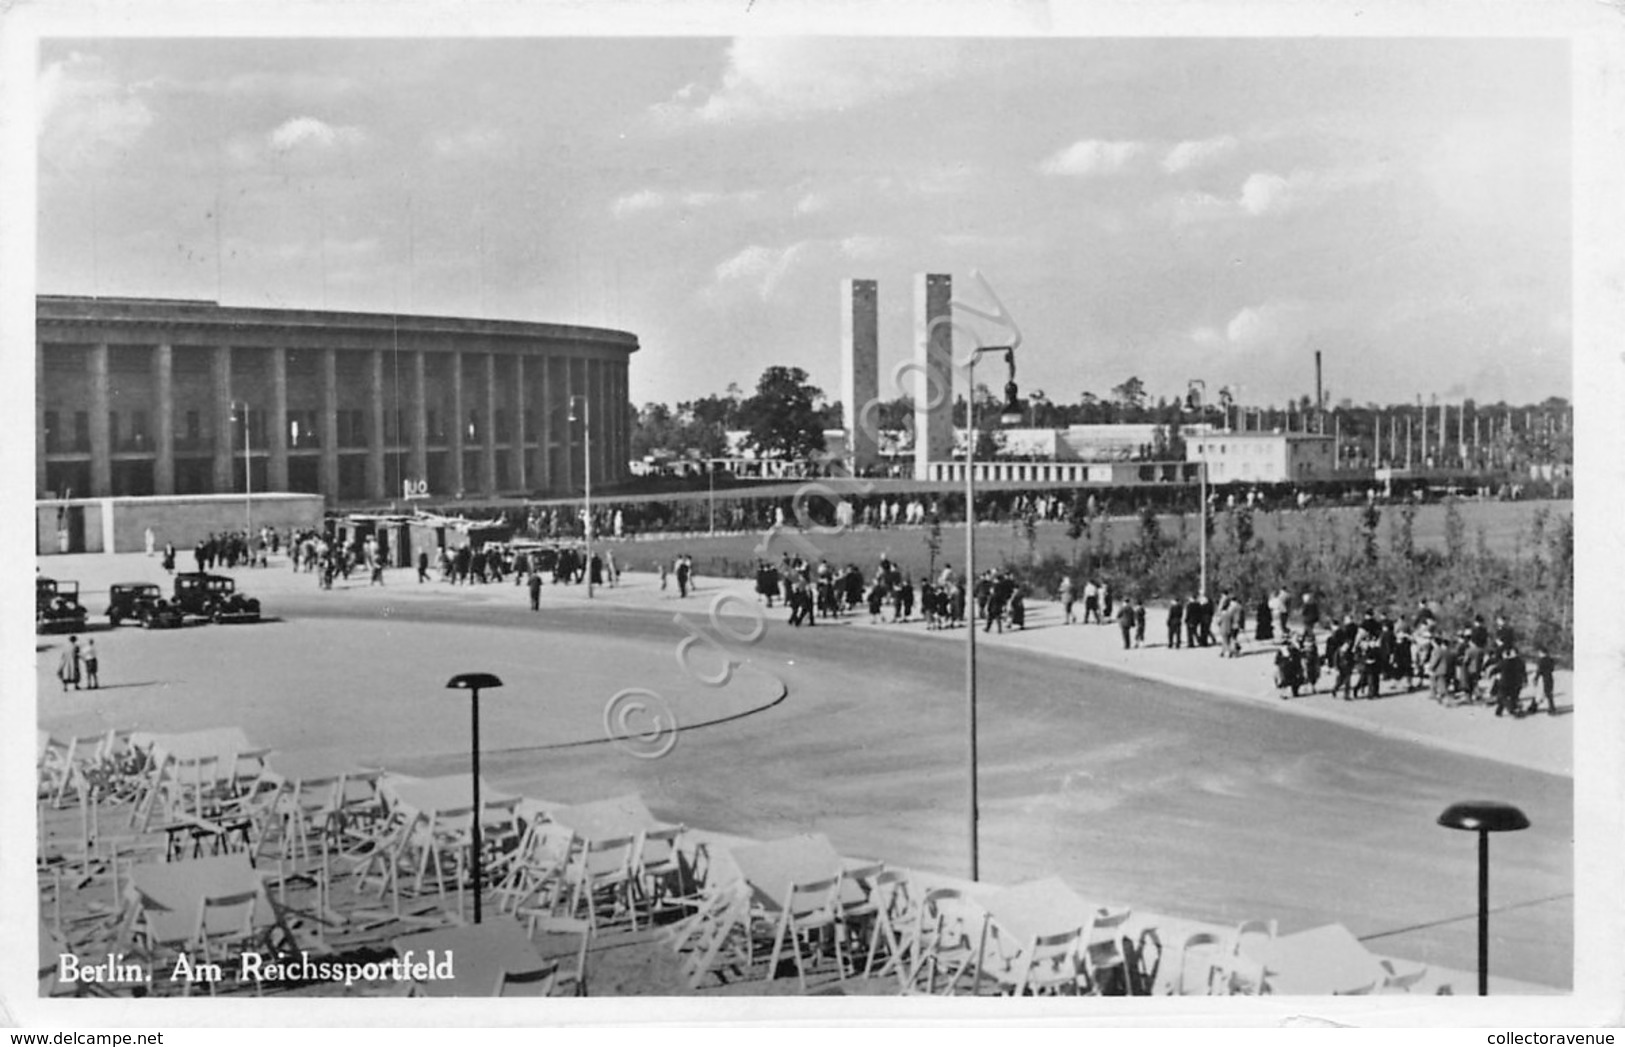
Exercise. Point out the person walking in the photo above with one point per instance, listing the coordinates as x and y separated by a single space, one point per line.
1545 669
535 591
1067 600
1125 624
423 566
152 541
92 665
1139 621
1091 602
1176 621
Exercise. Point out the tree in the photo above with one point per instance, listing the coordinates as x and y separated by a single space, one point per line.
1131 394
783 419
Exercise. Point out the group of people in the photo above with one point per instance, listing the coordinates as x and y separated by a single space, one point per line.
231 549
79 664
682 568
1471 664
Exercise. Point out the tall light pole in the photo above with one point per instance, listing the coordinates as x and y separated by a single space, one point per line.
473 682
1193 399
1484 817
586 430
248 472
1011 415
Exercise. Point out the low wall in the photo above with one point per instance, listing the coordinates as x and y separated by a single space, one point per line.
119 525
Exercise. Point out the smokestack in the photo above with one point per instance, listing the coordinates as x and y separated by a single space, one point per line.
1320 403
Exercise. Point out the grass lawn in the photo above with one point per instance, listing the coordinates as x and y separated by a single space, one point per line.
1504 525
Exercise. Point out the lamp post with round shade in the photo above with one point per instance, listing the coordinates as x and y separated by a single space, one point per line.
586 462
473 682
1484 817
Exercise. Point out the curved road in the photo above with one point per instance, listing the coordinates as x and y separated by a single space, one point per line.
1133 791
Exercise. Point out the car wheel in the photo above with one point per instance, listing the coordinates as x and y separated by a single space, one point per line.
216 616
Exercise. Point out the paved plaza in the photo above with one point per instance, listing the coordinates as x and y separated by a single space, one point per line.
1173 781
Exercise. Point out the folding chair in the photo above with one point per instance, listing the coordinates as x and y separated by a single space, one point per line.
538 982
537 866
949 935
1401 979
603 867
858 907
1209 952
1053 965
896 917
810 909
660 864
564 927
1103 952
1249 946
226 922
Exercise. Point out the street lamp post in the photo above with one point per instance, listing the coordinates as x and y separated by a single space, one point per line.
1011 409
473 682
1193 399
586 432
248 472
1484 817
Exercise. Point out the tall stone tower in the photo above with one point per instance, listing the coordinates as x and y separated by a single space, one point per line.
860 370
934 378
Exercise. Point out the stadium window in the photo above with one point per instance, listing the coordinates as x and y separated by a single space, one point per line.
194 427
81 431
112 429
51 435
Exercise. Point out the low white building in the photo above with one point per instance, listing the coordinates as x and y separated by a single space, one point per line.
1263 457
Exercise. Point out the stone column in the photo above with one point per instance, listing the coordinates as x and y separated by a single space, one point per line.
521 433
39 420
163 412
488 438
223 435
101 448
860 370
418 439
329 426
377 482
455 473
276 423
569 478
934 378
543 480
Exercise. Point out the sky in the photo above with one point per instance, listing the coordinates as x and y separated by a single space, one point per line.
1171 209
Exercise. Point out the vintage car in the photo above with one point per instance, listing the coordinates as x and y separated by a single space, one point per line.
215 597
56 606
141 602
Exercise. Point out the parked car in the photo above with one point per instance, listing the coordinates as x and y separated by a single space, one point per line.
142 602
215 597
56 606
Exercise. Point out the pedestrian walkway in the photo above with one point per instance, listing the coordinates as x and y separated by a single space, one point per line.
1541 742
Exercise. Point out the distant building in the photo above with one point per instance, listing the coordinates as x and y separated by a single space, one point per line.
1259 457
141 397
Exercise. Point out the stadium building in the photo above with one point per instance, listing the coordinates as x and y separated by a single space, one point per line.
156 397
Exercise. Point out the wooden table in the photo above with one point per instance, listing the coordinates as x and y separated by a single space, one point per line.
481 955
771 868
608 819
171 893
1321 962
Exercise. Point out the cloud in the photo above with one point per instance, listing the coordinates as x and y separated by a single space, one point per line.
85 113
636 203
1188 155
1269 324
647 200
812 203
1266 192
308 132
785 77
761 269
474 141
858 247
1092 157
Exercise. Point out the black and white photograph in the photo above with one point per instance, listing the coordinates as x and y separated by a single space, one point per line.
703 510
